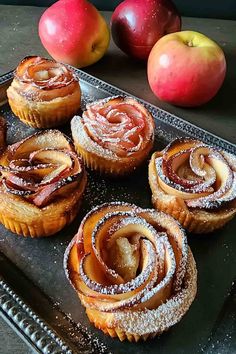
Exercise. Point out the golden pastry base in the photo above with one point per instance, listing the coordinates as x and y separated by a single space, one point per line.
24 218
118 167
97 321
45 114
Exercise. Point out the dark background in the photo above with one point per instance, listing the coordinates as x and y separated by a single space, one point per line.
197 8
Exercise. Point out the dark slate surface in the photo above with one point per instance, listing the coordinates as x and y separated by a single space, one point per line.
10 342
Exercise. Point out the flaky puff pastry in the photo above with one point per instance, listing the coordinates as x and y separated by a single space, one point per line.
44 93
114 135
132 269
42 183
195 183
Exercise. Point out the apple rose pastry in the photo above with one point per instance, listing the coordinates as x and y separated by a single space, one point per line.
195 183
114 135
44 93
132 269
42 182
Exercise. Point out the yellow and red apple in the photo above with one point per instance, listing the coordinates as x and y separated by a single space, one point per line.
74 32
136 25
186 68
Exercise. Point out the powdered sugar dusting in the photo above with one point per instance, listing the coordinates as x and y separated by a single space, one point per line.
166 315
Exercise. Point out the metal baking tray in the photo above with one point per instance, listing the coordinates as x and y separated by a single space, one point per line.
37 300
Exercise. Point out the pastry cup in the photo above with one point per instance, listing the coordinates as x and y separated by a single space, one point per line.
23 218
113 167
102 321
46 114
194 220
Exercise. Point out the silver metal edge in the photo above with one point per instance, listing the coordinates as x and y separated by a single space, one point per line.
26 321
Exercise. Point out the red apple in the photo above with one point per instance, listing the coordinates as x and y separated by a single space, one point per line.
74 32
136 25
186 68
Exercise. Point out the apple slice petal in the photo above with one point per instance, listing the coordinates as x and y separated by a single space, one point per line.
231 160
225 194
11 188
179 144
50 155
22 181
22 67
55 175
24 165
162 290
196 159
48 138
53 191
43 73
17 164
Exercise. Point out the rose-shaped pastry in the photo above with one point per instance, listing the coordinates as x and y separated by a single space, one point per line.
132 269
44 93
41 186
195 183
114 135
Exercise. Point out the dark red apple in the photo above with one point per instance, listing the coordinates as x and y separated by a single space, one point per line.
136 25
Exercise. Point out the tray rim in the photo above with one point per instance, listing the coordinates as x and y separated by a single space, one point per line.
27 323
10 303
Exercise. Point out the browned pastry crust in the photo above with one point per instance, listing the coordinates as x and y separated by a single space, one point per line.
42 184
195 183
132 269
114 135
44 93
